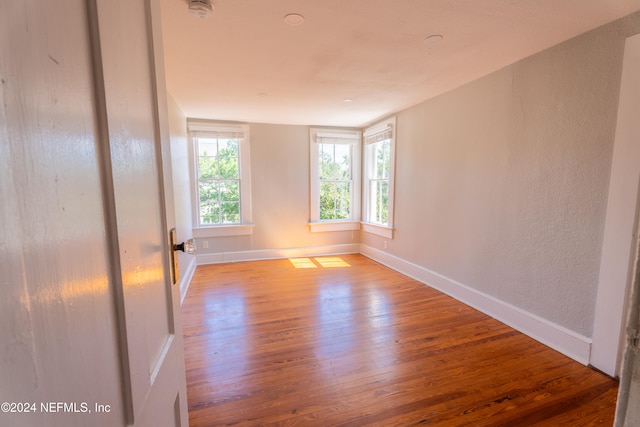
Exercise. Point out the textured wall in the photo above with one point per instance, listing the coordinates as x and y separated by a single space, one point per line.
502 183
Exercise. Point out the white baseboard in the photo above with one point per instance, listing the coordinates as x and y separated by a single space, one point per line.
217 258
559 338
187 275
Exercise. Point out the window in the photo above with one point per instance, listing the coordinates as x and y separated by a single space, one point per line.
222 187
335 180
379 159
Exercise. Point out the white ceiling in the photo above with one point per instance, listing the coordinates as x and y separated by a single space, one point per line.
244 63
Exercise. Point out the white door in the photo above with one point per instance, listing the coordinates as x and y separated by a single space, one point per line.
135 125
58 327
89 321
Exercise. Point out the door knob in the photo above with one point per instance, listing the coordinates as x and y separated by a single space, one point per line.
187 247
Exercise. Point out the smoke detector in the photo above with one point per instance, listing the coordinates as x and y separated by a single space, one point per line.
200 8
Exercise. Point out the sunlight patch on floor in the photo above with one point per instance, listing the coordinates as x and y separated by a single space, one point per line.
325 262
331 262
302 263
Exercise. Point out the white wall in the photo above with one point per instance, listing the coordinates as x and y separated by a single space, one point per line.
501 185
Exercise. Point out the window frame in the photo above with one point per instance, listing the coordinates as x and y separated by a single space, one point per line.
205 128
349 137
384 230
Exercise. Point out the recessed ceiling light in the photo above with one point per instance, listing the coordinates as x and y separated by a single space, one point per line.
294 19
433 39
347 100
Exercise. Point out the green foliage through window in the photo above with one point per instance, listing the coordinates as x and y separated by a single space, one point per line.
379 182
218 181
335 181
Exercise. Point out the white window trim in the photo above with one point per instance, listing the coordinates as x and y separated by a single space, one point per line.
368 226
319 227
377 229
353 138
246 225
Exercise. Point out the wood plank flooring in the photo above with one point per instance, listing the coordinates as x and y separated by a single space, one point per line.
345 341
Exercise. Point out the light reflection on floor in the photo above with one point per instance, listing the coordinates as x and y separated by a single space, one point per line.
380 314
227 322
356 331
335 319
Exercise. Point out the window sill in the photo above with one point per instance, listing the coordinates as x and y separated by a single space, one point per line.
223 231
379 230
319 227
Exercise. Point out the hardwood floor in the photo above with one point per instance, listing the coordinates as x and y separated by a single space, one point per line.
353 343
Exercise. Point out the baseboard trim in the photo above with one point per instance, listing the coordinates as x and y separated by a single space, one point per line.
559 338
187 275
258 255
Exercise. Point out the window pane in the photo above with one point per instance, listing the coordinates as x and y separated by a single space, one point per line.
230 212
343 200
231 219
327 200
379 201
335 200
230 191
229 167
382 162
343 161
208 191
383 216
335 161
209 213
228 147
207 167
327 163
207 147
